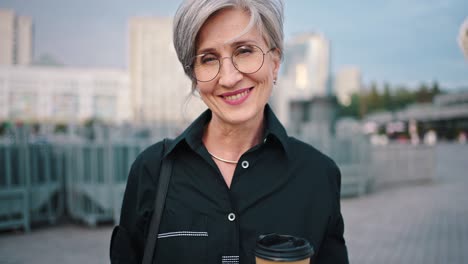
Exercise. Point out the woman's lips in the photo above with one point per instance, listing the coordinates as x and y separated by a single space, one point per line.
236 97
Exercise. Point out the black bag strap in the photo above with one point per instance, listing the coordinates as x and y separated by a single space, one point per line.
161 192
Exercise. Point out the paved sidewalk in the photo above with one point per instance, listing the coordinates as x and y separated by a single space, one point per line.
68 244
415 224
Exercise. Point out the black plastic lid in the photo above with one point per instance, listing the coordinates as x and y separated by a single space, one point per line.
277 247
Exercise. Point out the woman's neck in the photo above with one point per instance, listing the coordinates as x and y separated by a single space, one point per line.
231 141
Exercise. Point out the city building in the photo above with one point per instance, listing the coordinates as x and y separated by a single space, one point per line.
307 66
347 82
63 95
7 35
304 76
16 34
24 40
161 93
446 116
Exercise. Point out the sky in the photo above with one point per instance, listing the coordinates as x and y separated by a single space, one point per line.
402 42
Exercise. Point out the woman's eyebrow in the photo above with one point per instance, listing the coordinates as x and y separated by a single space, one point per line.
232 44
242 42
206 50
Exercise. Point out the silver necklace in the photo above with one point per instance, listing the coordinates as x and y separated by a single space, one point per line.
223 160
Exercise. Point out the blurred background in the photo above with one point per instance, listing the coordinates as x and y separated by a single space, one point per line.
380 87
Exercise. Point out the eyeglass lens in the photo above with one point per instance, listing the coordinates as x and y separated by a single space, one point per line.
246 59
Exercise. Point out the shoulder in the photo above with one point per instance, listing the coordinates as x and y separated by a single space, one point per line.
148 162
314 165
151 153
307 154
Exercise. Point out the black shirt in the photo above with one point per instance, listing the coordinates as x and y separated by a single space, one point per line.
279 186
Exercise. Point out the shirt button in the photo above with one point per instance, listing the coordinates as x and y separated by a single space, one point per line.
231 217
245 164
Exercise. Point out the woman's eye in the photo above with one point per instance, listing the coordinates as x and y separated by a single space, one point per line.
208 59
244 50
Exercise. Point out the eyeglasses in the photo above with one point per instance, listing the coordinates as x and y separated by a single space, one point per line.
246 59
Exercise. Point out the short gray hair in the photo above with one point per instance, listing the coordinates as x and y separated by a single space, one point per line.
267 15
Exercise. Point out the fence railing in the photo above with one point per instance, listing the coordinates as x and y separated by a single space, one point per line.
96 177
30 184
401 164
365 167
39 181
42 181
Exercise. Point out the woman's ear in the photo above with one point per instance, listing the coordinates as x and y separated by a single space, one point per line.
276 62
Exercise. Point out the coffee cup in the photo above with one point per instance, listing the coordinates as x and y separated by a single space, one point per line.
274 248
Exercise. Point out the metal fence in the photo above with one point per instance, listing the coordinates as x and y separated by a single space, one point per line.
86 180
38 181
365 168
402 164
14 200
96 177
30 184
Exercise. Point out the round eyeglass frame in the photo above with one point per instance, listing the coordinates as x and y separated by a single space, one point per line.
191 67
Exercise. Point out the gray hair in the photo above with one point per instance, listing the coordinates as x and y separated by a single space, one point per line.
266 15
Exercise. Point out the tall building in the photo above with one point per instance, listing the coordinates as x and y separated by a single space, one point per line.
24 40
347 82
7 36
159 86
52 94
305 73
307 66
16 34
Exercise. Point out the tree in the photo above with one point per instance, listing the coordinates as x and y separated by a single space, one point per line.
423 95
402 97
435 89
387 100
391 99
353 109
373 99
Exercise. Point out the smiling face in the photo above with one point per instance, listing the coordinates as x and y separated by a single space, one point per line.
234 97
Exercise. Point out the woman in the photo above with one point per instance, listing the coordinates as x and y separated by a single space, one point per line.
236 173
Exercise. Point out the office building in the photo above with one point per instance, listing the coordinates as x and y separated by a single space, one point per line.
16 34
304 75
159 87
63 95
24 40
347 82
7 29
307 66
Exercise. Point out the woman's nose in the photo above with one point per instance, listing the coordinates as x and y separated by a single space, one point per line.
229 75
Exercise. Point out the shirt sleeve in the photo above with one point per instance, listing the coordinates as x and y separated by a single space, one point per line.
333 249
138 201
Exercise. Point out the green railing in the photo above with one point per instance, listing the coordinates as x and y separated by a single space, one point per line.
96 177
30 184
86 180
38 181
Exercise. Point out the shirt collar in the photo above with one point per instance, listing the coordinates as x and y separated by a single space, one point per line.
274 128
194 133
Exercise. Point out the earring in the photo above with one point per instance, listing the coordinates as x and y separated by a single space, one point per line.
274 82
